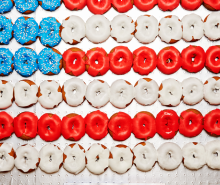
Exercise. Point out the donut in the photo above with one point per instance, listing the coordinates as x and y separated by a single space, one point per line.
6 128
6 94
74 4
74 91
145 156
169 156
97 158
213 59
6 62
192 91
120 126
169 60
212 90
122 6
193 27
50 61
49 32
74 61
170 92
50 5
74 160
143 125
73 127
26 6
25 125
194 156
191 4
7 157
98 7
212 5
25 30
145 60
121 93
96 125
6 6
211 122
212 149
170 28
98 93
146 28
97 62
146 91
145 5
122 28
73 30
49 94
211 26
6 32
25 61
121 60
27 158
193 58
121 158
51 158
168 5
167 123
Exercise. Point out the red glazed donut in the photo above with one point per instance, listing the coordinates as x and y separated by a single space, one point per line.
168 5
212 5
145 60
6 125
143 125
167 123
191 4
120 60
49 127
122 6
213 59
25 125
145 5
97 62
120 126
74 4
98 7
96 125
74 61
212 122
169 60
193 59
73 127
194 117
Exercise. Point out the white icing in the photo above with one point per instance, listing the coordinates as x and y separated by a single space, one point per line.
6 160
6 95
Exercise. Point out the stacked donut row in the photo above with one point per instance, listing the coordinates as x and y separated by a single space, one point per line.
120 158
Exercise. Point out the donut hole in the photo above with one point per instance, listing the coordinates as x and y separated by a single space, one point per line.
73 30
145 90
74 91
49 93
121 93
25 62
25 158
97 28
217 58
193 58
190 122
72 127
170 28
146 27
216 26
50 158
48 127
144 157
120 59
1 93
194 156
51 31
216 90
3 126
169 155
25 92
74 157
98 93
144 125
216 122
121 159
192 27
215 154
97 158
96 62
169 60
2 157
170 93
119 126
74 61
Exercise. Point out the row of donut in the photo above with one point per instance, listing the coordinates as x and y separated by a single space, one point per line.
122 29
120 158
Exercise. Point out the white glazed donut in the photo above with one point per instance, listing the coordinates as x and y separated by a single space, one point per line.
212 90
97 158
49 94
145 156
121 159
170 29
73 30
74 160
121 93
193 27
7 157
6 94
74 91
146 91
51 158
213 154
122 28
97 29
194 156
25 93
212 26
146 29
98 93
192 91
27 158
170 92
169 156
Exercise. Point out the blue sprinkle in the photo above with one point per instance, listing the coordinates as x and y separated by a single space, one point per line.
24 5
50 5
6 29
5 6
6 62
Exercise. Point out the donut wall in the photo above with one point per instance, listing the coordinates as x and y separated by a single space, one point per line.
179 176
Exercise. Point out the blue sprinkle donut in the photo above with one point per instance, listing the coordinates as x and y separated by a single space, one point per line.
50 5
25 61
50 61
6 6
26 6
6 30
6 62
49 32
25 30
